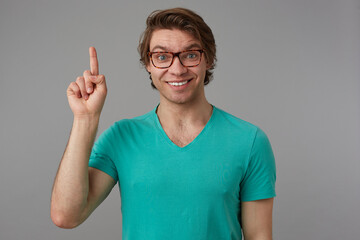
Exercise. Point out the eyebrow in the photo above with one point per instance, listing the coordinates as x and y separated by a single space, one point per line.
191 46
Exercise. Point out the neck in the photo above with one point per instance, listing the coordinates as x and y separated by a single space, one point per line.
186 114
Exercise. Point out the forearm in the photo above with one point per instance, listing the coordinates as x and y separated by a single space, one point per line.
261 230
71 186
257 219
258 238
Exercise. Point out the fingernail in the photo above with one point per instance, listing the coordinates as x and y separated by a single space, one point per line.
86 97
89 89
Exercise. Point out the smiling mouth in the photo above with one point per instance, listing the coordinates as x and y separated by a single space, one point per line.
179 83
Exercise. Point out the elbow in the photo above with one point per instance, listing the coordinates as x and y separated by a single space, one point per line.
63 221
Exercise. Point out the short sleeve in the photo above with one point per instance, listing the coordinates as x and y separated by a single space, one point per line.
260 175
103 153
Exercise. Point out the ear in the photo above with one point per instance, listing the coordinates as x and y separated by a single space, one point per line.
148 68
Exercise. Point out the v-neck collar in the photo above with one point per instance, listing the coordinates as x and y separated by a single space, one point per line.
171 143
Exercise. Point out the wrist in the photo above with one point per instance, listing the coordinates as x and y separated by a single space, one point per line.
89 122
87 118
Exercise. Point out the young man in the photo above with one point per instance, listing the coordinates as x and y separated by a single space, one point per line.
186 169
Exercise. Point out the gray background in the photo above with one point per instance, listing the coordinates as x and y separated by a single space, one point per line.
288 66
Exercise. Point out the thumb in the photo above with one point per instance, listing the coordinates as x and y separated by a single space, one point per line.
98 79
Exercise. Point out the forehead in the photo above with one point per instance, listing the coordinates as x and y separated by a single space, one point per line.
172 40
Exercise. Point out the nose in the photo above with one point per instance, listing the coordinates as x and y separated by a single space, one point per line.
176 67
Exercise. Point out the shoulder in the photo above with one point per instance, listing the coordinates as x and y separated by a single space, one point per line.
130 125
234 123
139 120
239 129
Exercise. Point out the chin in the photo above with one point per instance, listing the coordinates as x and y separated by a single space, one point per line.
181 99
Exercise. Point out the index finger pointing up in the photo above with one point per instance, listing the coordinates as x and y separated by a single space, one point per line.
94 65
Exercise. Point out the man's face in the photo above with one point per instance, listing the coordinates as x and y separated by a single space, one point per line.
174 40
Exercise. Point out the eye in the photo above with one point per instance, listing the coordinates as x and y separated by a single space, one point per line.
162 57
192 55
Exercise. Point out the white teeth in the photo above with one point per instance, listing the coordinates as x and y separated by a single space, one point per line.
177 83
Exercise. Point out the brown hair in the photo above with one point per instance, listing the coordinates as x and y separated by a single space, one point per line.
182 19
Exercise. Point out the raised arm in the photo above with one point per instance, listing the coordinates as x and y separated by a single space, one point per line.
78 189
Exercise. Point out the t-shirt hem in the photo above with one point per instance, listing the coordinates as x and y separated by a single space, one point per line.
261 197
100 167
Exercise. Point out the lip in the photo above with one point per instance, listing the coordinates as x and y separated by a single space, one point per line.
178 81
182 87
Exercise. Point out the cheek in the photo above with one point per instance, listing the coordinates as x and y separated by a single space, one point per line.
158 72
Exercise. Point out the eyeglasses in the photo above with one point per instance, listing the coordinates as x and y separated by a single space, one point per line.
188 58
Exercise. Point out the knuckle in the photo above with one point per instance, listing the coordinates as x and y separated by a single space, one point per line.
73 87
73 84
86 72
79 79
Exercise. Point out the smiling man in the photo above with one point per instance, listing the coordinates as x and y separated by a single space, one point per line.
186 169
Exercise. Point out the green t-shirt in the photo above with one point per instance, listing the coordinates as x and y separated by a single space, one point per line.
193 192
